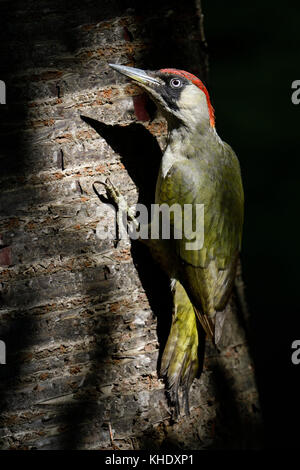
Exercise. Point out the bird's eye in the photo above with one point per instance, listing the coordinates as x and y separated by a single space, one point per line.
175 83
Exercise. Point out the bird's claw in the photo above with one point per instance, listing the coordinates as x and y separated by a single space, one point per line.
111 191
116 197
119 201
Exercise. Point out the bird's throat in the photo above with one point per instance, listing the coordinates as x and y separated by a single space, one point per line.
186 143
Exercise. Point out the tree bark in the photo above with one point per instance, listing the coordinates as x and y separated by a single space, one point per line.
84 321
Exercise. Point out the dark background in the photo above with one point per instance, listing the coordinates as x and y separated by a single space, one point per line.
254 58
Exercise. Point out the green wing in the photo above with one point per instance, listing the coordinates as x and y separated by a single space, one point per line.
207 273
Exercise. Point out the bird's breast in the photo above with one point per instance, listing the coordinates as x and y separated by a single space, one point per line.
173 154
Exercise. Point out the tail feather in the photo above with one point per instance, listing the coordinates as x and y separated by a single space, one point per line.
180 363
206 323
213 327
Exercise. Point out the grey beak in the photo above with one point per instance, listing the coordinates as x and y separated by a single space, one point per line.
136 74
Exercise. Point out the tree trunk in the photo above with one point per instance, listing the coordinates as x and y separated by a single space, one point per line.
83 320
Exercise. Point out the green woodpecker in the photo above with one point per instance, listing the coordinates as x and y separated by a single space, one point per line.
197 167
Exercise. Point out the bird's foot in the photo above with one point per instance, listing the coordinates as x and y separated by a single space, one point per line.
111 191
114 195
125 213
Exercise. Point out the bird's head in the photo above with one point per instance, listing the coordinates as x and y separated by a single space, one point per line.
179 94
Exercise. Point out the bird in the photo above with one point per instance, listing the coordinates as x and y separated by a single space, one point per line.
197 169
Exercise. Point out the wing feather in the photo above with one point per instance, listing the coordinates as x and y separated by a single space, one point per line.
208 273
